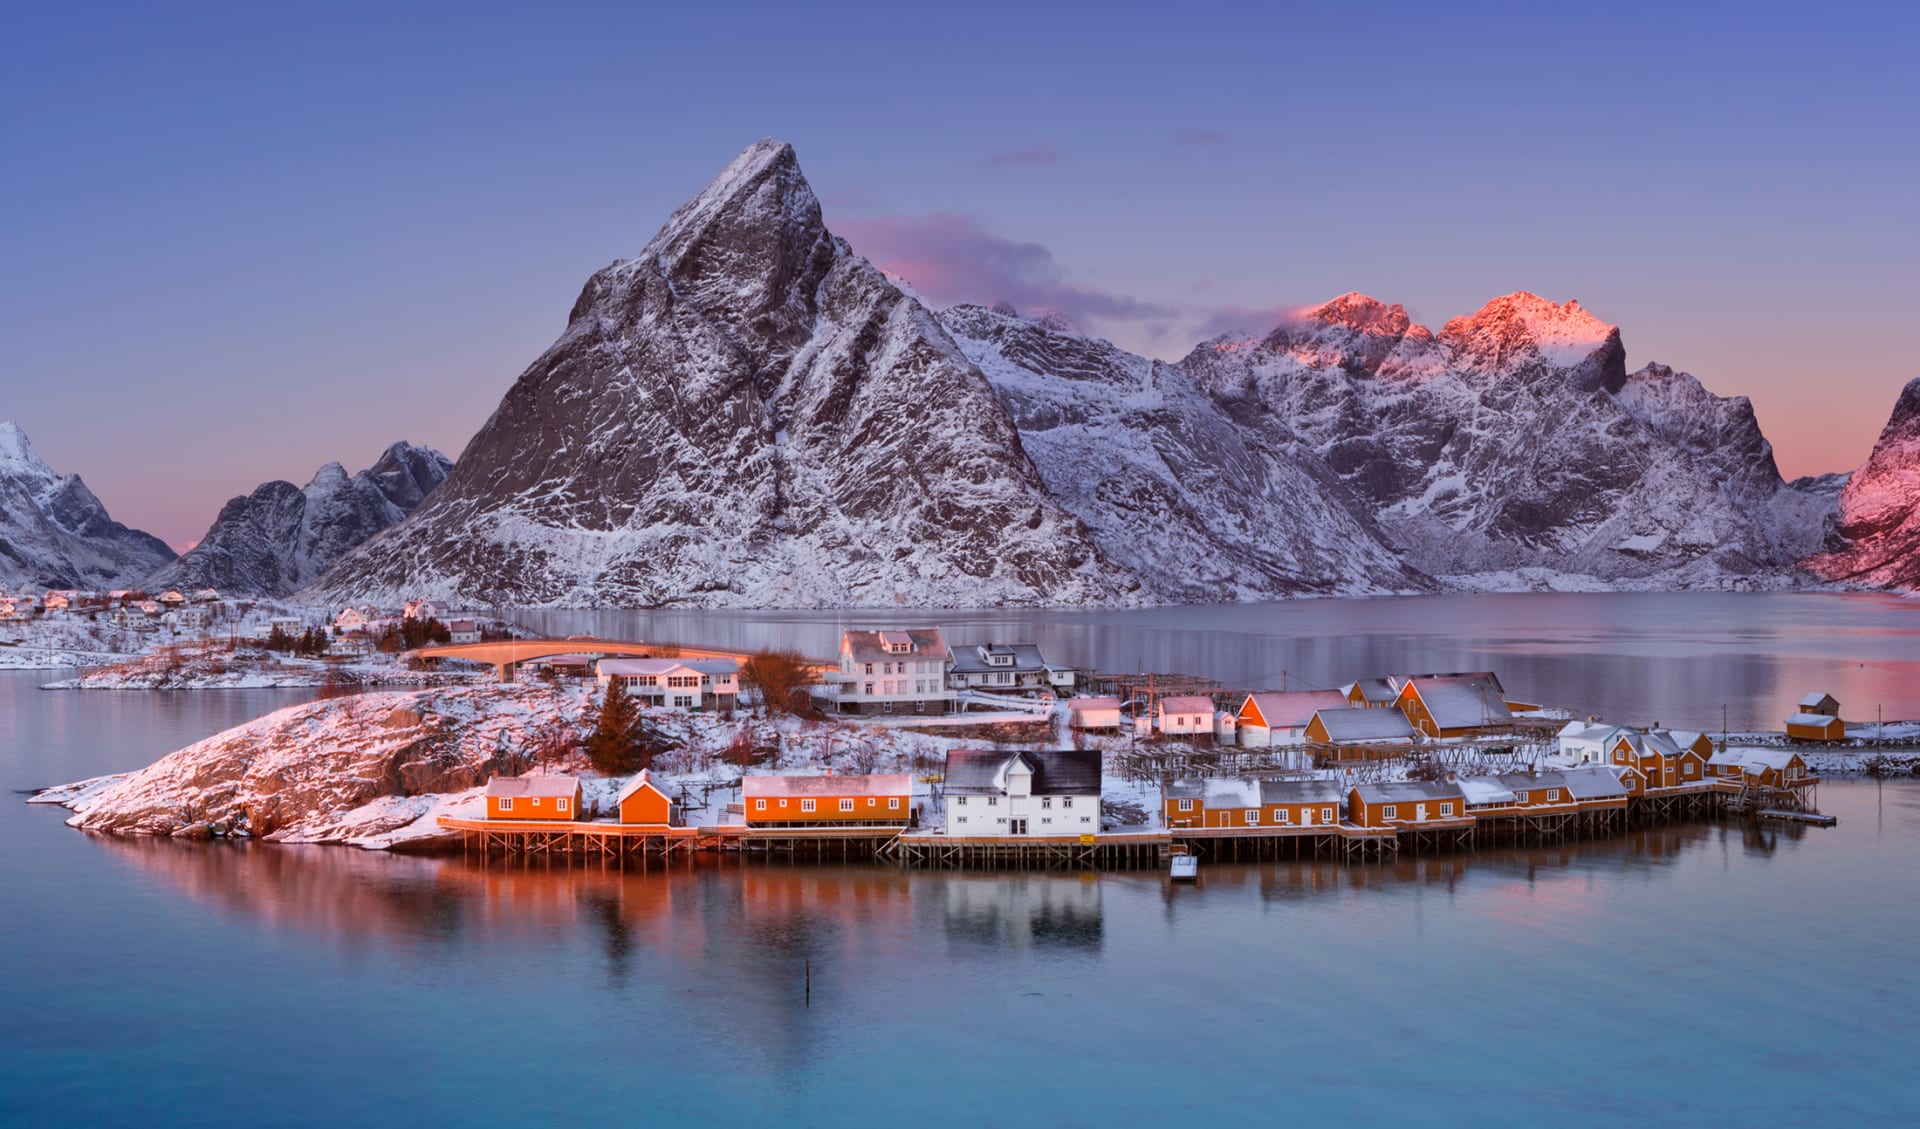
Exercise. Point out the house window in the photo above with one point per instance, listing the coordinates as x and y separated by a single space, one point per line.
893 802
1690 767
560 805
536 801
1389 812
993 801
1046 801
1553 794
960 801
846 805
869 801
1046 819
1253 816
869 671
1282 815
759 805
1086 819
506 803
783 801
1066 801
1185 805
1446 809
1519 797
869 685
1326 815
806 805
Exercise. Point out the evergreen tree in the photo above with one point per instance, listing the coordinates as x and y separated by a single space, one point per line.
615 746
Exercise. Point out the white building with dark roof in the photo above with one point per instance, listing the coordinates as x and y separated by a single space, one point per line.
1027 793
1006 668
683 684
901 671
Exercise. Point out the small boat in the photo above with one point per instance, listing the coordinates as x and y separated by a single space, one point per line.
1184 866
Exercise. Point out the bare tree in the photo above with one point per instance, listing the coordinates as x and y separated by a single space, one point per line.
779 678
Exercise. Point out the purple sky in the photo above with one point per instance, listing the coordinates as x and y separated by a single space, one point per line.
243 241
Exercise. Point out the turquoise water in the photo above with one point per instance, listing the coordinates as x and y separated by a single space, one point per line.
1698 974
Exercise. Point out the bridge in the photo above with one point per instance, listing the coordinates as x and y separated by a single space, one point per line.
506 655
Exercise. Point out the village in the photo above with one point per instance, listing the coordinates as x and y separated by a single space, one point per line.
1360 772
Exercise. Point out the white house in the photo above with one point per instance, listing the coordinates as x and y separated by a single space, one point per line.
1094 713
1025 793
1007 668
206 595
893 672
1184 715
173 597
186 619
423 609
350 619
686 684
1587 742
464 631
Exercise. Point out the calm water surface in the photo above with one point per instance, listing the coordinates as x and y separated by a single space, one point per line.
1685 976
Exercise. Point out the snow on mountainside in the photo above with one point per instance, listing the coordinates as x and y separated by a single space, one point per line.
1875 536
1201 508
281 537
746 414
55 534
1515 439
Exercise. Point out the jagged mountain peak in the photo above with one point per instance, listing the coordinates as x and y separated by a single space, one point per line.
1874 537
1361 314
54 531
17 455
1522 328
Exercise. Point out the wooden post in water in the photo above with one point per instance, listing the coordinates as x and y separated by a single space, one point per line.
809 974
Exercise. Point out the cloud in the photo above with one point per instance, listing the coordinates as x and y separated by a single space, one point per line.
949 259
1022 158
1197 137
1247 321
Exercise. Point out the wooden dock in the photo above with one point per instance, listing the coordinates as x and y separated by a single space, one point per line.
1814 818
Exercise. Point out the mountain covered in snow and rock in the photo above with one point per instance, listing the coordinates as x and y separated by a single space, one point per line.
748 414
283 537
55 534
1874 538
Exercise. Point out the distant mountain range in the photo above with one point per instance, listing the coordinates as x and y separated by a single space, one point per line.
749 414
55 534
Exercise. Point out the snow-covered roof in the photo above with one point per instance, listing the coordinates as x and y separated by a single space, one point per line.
1658 742
1302 792
1056 772
641 779
871 646
1484 790
1187 703
1587 731
1462 701
876 784
1754 758
628 668
1815 700
1232 792
1078 705
1395 791
1292 709
542 786
1816 720
1595 782
1348 724
1371 689
1531 781
973 659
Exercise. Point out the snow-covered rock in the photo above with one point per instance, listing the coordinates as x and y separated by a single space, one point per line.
54 533
282 537
1874 538
745 414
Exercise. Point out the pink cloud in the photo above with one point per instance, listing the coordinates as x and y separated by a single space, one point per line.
851 200
1244 321
951 259
1020 158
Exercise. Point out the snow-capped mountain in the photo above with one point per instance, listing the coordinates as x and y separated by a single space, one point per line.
1201 508
1516 439
1875 536
282 537
748 414
745 414
55 534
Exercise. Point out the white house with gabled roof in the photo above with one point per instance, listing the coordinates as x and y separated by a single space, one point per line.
685 684
896 671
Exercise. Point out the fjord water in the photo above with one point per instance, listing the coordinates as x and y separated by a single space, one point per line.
1694 974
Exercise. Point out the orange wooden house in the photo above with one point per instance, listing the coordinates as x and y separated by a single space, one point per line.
1454 705
1661 760
1770 768
533 797
1818 719
1246 802
644 803
809 801
1406 803
1356 733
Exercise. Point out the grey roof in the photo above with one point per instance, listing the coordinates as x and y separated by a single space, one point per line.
1400 791
1302 792
1373 689
1596 782
1352 724
1461 701
968 658
1249 792
1288 709
1191 788
1056 772
866 645
1534 782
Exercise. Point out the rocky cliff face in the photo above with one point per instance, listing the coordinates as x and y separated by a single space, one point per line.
55 534
745 414
1514 439
1874 538
329 770
282 537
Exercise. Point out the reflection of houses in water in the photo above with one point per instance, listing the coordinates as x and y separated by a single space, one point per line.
1024 911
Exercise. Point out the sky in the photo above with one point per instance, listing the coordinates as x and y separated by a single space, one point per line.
244 240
